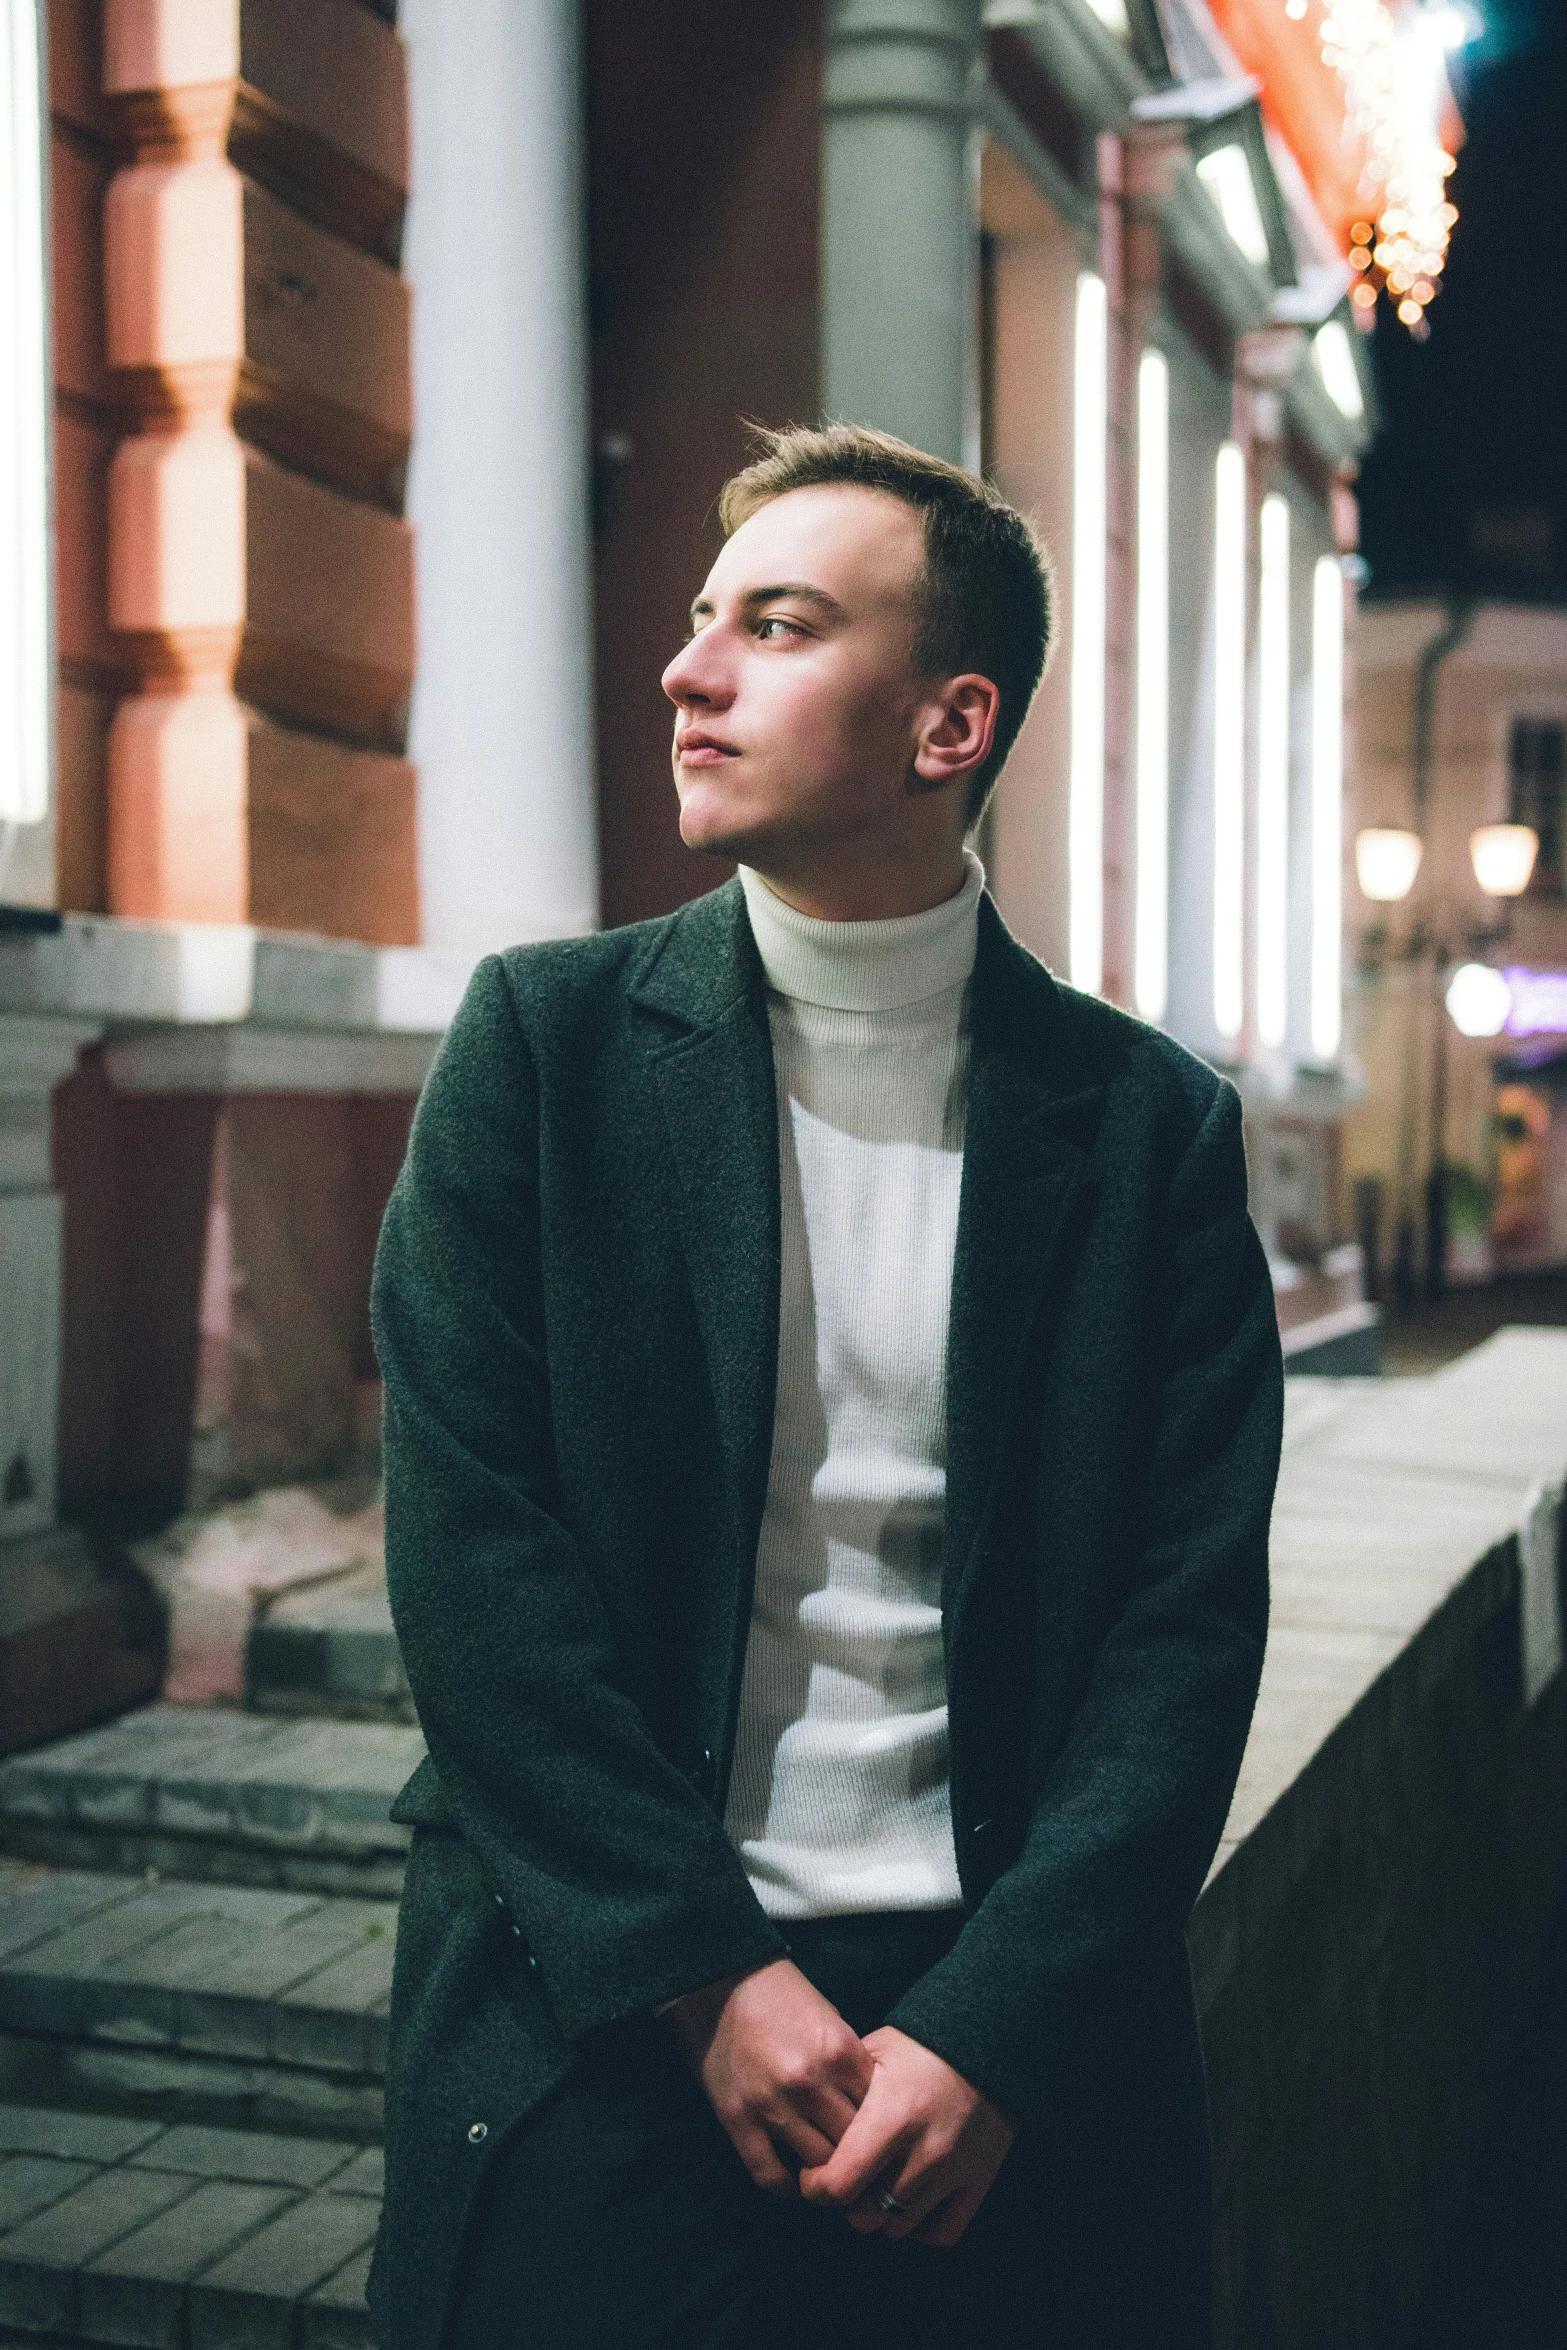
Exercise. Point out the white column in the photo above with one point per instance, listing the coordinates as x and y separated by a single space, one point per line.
502 723
1152 927
1090 518
26 599
899 226
1229 742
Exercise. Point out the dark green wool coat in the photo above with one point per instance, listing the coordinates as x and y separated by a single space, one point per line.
576 1313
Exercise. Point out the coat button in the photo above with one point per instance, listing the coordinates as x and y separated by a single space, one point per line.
477 2133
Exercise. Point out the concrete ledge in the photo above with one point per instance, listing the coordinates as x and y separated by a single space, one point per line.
1398 1832
222 1007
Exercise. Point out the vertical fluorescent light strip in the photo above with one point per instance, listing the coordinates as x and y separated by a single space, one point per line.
1327 796
1273 774
1086 804
25 678
1229 741
1151 958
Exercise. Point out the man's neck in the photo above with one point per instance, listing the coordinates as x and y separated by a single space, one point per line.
845 892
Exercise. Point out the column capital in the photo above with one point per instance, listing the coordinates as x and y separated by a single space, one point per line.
901 56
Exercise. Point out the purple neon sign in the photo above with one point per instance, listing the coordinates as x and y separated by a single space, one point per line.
1539 1005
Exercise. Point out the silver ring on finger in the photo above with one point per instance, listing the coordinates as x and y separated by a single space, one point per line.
887 2201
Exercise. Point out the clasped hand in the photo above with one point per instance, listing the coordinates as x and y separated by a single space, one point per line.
862 2118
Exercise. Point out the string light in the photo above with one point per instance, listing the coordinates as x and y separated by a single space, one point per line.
1392 75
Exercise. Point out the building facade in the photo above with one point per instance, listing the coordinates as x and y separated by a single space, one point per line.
384 373
1458 1008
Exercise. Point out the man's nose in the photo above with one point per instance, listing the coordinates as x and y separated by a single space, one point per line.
699 674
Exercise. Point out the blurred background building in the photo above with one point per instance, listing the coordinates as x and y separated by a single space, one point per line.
386 373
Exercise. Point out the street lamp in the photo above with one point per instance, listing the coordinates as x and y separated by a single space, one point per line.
1503 858
1478 1000
1387 858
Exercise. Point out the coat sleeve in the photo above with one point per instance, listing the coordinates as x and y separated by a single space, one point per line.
618 1873
1038 1990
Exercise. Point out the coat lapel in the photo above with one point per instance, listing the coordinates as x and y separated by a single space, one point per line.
711 1057
1026 1188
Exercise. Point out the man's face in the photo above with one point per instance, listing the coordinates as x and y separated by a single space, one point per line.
798 708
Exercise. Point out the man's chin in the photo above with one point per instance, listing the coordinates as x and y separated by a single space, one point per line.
719 832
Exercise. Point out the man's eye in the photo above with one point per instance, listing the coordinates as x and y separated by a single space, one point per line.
784 627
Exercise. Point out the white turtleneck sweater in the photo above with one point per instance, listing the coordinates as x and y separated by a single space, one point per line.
839 1798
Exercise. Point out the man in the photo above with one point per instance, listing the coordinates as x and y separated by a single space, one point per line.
832 1413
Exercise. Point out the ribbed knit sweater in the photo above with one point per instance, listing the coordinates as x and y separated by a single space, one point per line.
839 1797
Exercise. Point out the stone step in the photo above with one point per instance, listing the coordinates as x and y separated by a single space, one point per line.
219 1796
179 2001
329 1650
124 2232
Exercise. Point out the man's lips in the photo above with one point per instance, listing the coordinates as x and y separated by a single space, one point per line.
702 750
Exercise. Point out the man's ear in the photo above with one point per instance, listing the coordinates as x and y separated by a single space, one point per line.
957 729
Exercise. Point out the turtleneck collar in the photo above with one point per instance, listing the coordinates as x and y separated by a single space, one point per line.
866 966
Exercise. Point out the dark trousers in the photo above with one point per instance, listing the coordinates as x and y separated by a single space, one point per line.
619 2217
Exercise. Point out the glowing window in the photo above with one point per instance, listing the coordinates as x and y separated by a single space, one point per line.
1226 175
1273 773
1336 366
1327 795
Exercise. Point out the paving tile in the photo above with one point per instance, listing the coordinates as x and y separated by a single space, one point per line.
189 1953
323 2020
37 1903
31 2182
269 1964
365 2175
84 2137
246 2301
335 2316
39 2259
261 2158
134 2294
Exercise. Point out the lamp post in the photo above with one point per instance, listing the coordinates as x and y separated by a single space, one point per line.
1387 860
